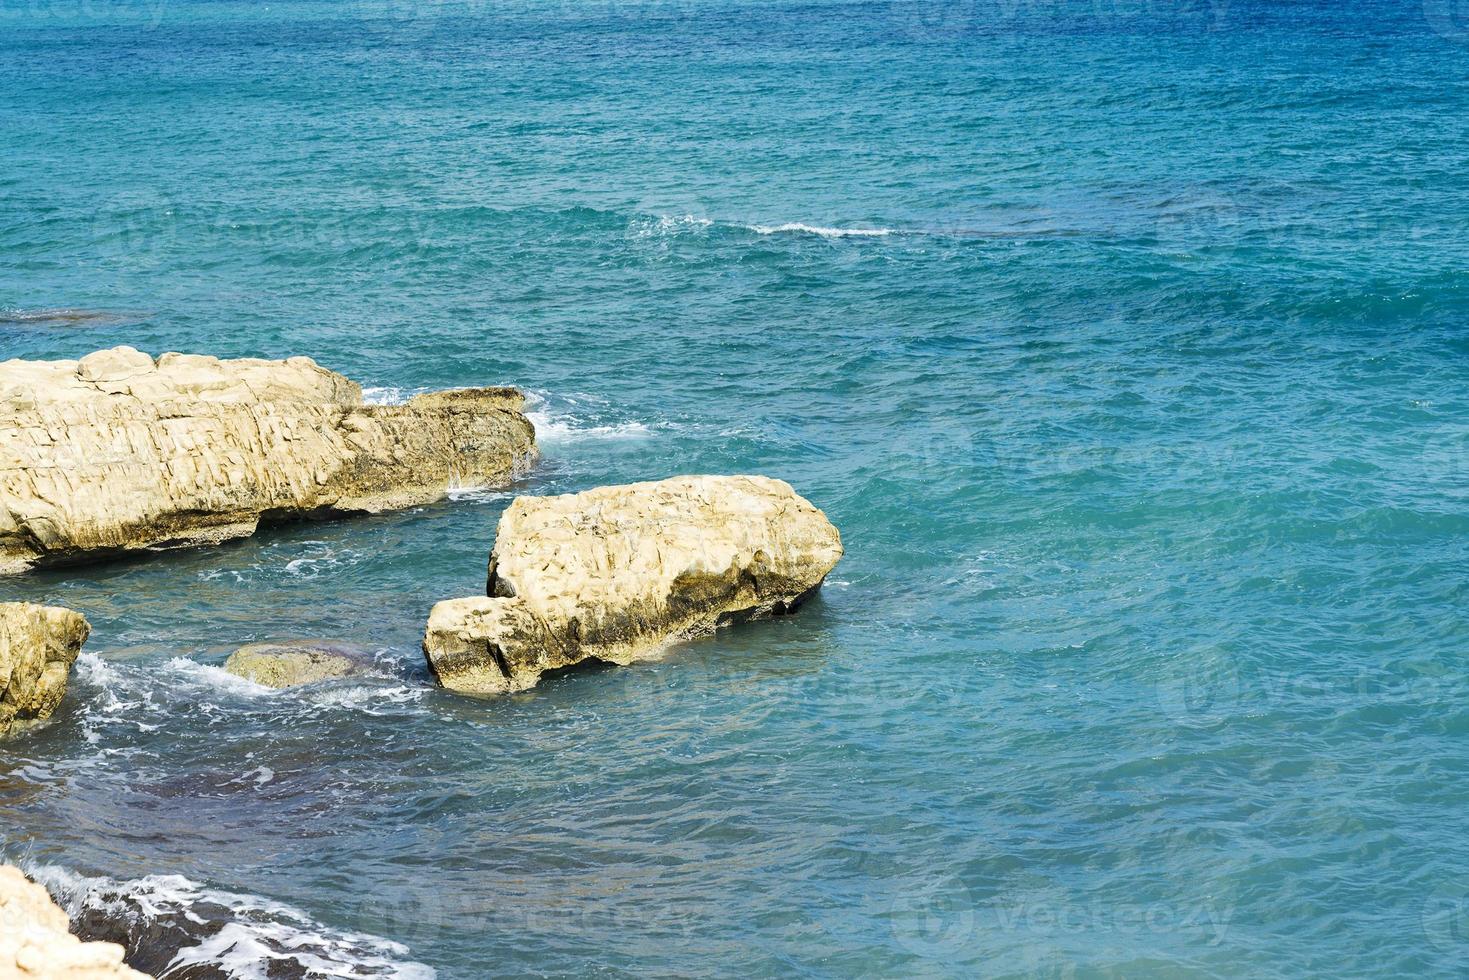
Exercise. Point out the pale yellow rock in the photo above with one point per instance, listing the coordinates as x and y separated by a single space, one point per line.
38 645
618 573
118 452
290 663
35 943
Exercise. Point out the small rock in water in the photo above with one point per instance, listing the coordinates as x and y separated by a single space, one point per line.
296 662
38 645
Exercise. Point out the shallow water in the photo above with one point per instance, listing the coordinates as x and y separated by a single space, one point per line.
1124 342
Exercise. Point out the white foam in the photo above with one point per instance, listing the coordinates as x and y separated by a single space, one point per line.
565 426
95 671
215 678
666 225
796 227
389 394
261 938
569 428
368 698
477 493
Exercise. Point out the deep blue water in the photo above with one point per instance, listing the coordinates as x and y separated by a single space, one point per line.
1144 419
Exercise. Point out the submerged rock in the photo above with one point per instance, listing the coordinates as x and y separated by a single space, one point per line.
297 662
119 452
617 573
38 645
36 942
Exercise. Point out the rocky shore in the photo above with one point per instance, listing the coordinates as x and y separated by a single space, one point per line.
120 452
617 573
36 942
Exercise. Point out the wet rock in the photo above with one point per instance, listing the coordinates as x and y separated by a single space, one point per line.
119 452
296 662
38 645
36 942
617 573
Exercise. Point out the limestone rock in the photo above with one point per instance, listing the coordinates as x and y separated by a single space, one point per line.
119 452
35 943
619 572
38 645
296 662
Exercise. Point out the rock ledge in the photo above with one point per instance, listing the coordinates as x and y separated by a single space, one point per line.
119 452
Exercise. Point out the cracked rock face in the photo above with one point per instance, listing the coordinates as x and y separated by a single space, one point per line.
120 452
38 645
35 942
617 573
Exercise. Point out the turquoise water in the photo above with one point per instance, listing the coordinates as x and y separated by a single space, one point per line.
1124 341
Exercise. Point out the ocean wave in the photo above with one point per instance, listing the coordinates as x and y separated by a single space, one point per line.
173 927
666 225
389 394
796 227
569 428
313 559
148 697
457 494
562 425
207 677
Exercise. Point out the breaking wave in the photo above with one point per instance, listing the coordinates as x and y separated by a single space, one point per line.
174 928
796 227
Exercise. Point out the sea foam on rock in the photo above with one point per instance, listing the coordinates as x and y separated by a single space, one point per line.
617 573
36 942
38 645
120 452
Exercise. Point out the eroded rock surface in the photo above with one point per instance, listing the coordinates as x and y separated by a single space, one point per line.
35 943
119 452
295 662
38 645
618 572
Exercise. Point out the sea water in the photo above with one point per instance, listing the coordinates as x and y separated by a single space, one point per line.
1124 340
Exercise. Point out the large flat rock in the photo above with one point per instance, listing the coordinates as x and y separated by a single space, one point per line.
38 645
120 452
617 573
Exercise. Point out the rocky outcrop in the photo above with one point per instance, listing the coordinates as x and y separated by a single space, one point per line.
35 943
38 645
295 662
119 452
616 573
